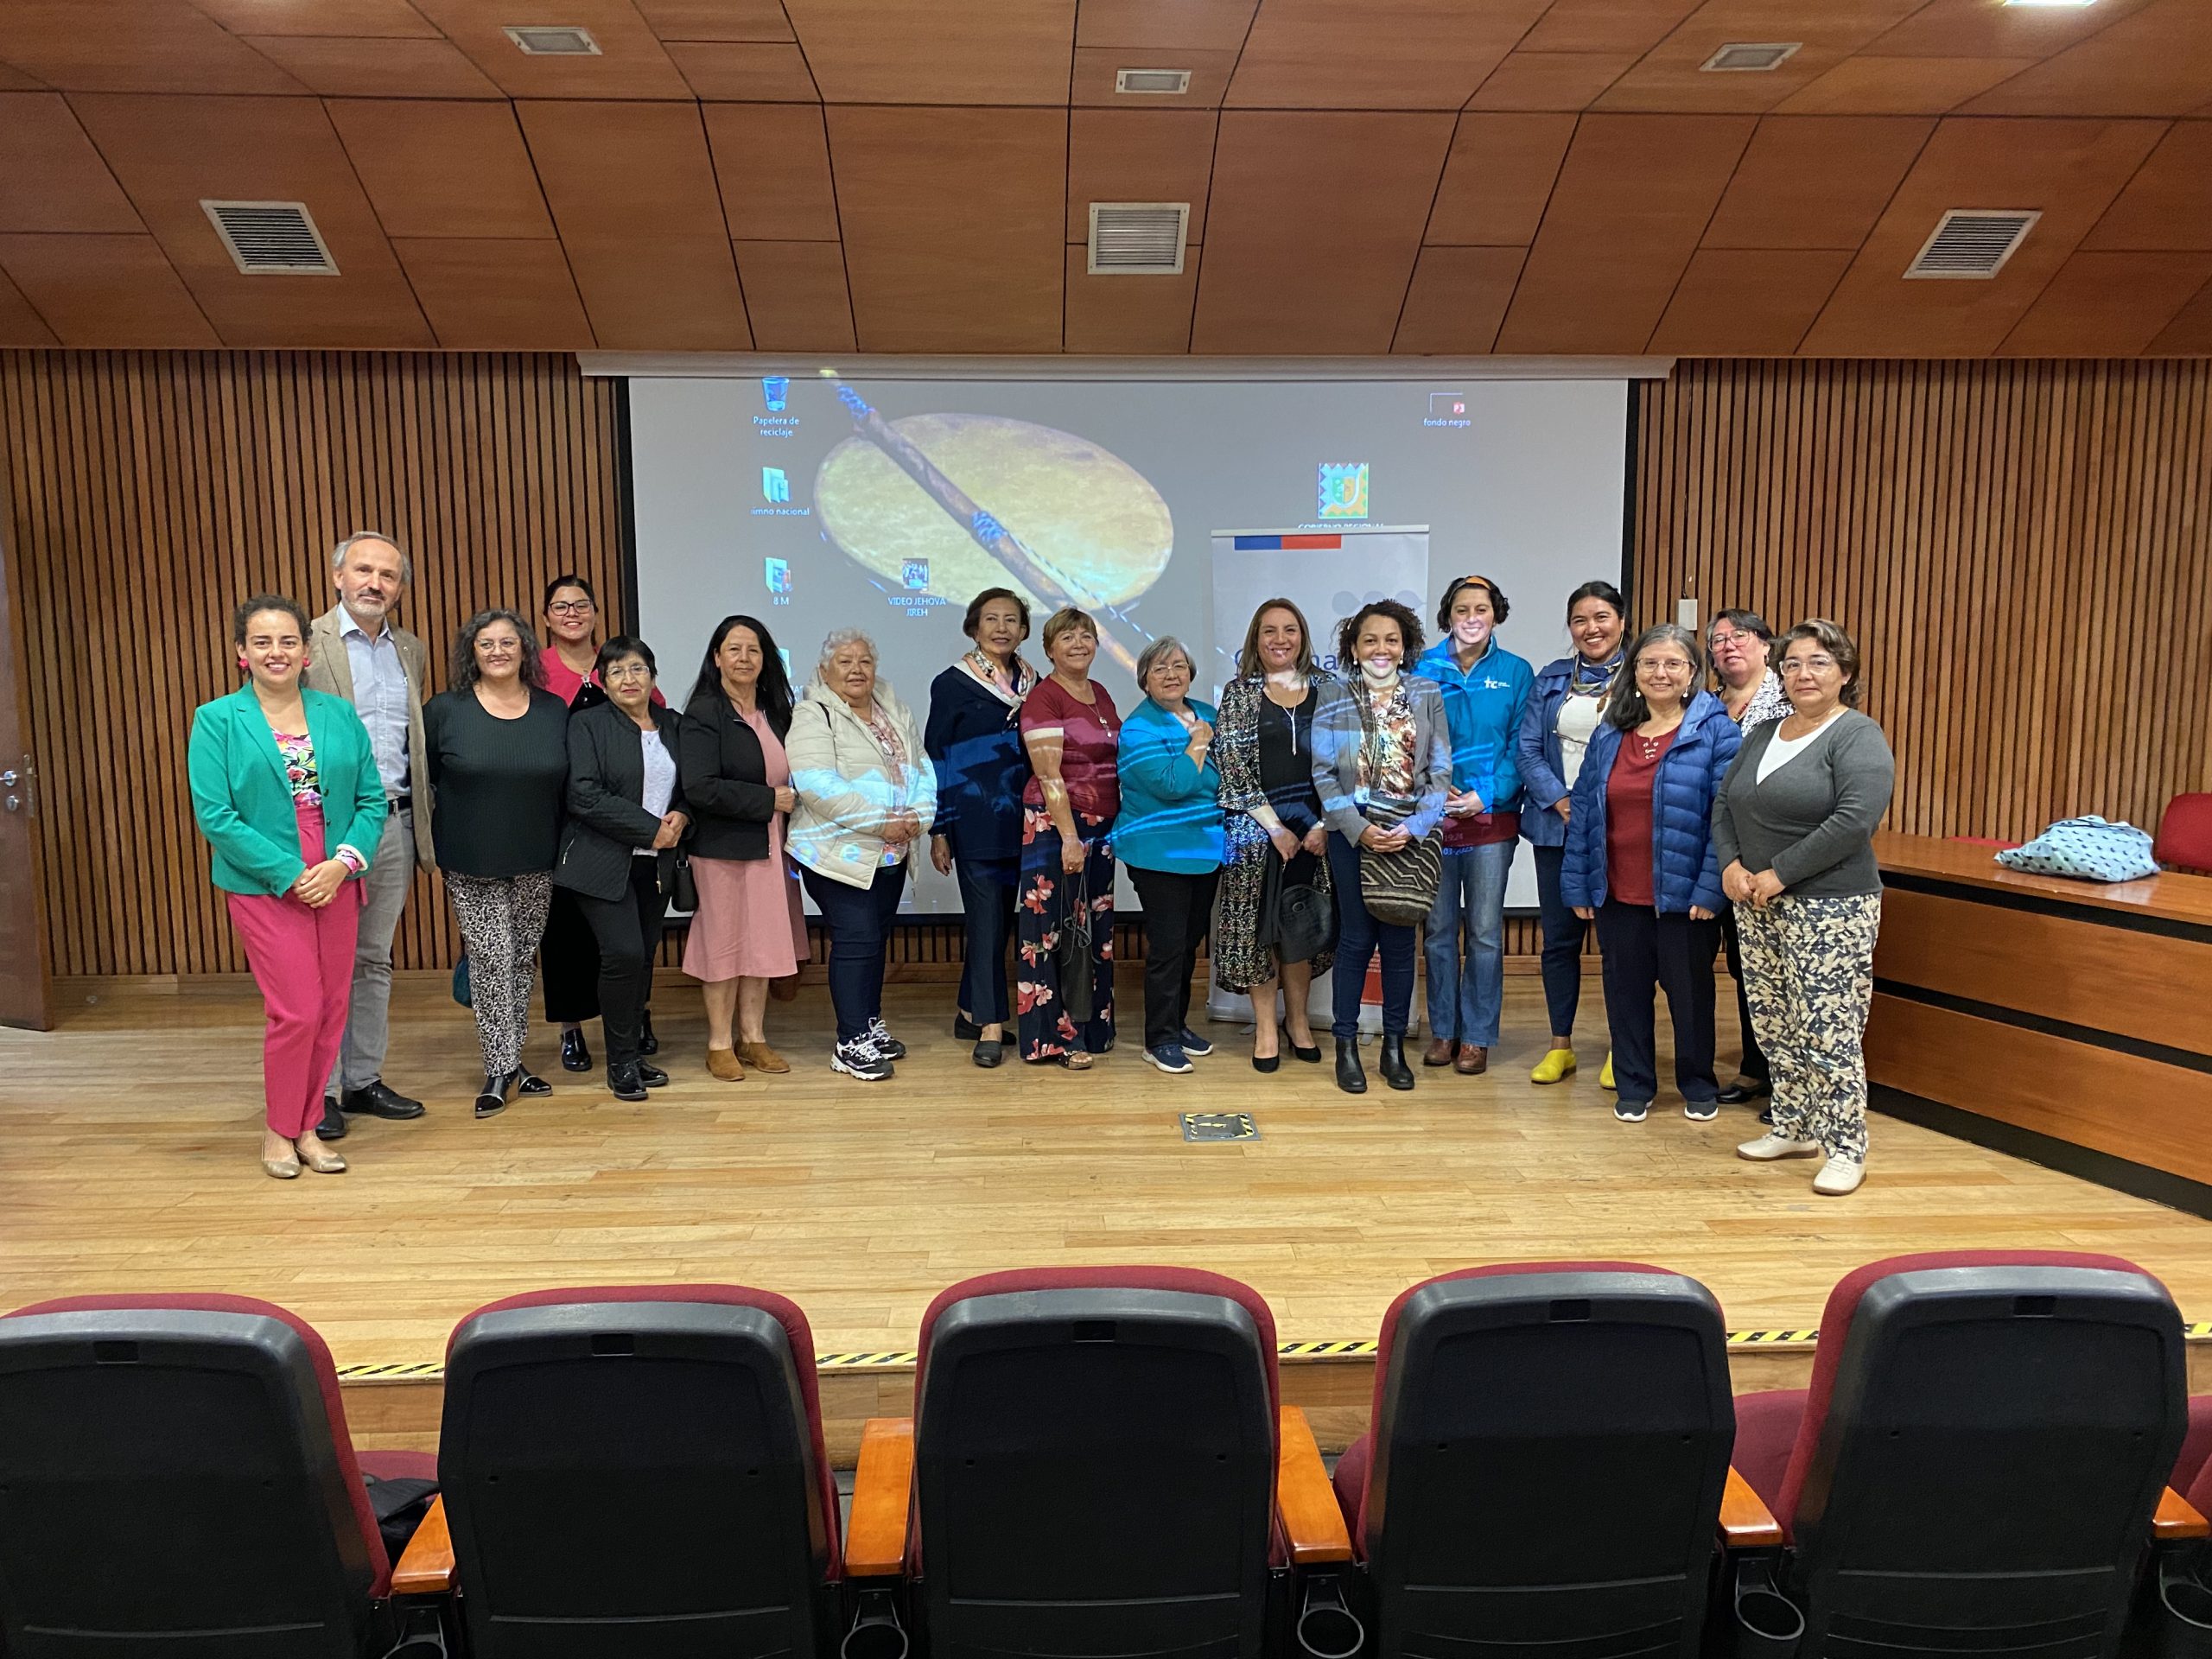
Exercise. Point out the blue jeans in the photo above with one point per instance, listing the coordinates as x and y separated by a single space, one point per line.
1359 935
1464 1001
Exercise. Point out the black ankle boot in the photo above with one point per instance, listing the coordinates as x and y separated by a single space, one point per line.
1351 1076
1391 1062
647 1043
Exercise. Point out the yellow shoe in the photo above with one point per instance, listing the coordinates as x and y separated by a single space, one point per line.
1606 1077
1555 1065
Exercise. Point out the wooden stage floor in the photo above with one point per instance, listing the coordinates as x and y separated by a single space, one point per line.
128 1163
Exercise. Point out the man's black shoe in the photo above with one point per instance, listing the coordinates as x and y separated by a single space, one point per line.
1745 1090
333 1126
380 1100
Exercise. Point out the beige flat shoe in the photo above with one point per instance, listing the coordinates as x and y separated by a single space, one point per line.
761 1057
323 1161
724 1063
1839 1176
282 1169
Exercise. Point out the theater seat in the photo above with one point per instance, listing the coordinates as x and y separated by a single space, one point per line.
176 1480
1979 1458
1094 1468
2184 838
1550 1443
637 1473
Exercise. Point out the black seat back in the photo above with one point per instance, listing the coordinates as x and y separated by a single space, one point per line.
634 1480
1994 1445
1549 1456
169 1485
1094 1473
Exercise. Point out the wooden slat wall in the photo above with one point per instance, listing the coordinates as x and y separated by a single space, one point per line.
153 490
2022 549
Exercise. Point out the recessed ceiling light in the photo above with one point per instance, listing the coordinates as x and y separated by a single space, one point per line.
553 41
1168 82
1741 57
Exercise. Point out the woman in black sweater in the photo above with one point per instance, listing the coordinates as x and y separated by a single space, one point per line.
618 854
496 746
749 929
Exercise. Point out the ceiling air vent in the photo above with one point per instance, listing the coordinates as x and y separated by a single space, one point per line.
1972 245
550 40
1751 56
1138 238
1164 82
274 236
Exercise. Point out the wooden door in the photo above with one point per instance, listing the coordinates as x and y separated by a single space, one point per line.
26 962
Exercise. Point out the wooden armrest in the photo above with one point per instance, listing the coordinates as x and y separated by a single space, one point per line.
2175 1520
1303 1498
427 1568
1746 1521
875 1542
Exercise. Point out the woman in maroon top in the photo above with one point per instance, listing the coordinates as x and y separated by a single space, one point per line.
1639 859
1073 734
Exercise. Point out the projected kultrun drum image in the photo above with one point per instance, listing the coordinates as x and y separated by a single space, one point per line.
950 504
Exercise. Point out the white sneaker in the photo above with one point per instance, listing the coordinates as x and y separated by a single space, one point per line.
1839 1176
1768 1148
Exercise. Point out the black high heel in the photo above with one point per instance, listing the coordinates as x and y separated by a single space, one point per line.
1267 1064
1311 1055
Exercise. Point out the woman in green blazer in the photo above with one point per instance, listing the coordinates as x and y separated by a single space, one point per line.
284 787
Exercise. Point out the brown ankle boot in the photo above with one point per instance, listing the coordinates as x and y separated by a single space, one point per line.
1440 1052
725 1064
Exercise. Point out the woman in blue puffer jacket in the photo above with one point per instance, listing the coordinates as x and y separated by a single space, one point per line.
1639 859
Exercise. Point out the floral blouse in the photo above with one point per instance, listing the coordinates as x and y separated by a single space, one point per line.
299 770
1386 758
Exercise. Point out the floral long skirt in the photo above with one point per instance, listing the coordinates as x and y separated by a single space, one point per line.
1045 1031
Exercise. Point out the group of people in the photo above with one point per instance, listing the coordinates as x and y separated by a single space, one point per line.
1313 821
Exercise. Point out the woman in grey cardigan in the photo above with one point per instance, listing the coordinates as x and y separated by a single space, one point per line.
1793 829
1382 766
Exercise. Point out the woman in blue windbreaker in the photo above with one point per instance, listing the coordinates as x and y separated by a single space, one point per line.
1640 860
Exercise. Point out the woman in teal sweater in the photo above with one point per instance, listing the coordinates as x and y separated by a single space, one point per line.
285 788
1168 833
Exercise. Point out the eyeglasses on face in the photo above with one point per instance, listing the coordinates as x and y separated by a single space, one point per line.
570 607
631 670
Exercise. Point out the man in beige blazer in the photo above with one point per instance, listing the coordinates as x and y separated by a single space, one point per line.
355 652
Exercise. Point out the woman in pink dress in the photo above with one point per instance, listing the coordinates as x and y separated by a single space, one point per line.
748 930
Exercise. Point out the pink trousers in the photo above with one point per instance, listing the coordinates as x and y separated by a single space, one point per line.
302 959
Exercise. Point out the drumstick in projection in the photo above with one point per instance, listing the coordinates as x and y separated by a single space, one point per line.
989 534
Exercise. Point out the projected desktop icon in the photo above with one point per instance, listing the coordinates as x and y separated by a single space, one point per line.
915 573
1439 403
778 572
774 487
775 388
1344 489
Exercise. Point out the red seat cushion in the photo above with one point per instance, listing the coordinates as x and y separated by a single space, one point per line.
2184 839
2196 1445
786 1313
1350 1479
1836 1326
1766 1429
399 1465
325 1372
1357 1522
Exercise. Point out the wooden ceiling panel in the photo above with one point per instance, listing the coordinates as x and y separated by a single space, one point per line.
975 52
1269 285
51 178
443 169
112 291
132 46
2189 334
20 325
660 292
1868 85
1132 316
1412 54
1095 66
1989 29
2068 170
1748 303
353 19
14 80
1632 199
171 153
954 225
483 294
615 169
1498 178
2108 304
2167 205
376 68
1457 300
2156 61
1202 25
772 161
1670 77
795 295
1550 80
717 20
746 72
1139 156
630 62
1815 182
1606 25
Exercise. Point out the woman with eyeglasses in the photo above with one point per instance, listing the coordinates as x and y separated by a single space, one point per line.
1640 863
1794 828
1741 644
569 955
